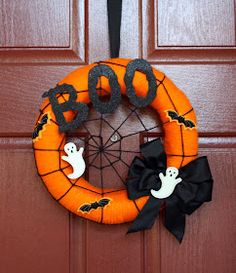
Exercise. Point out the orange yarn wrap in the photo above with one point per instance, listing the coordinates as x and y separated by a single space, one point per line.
178 140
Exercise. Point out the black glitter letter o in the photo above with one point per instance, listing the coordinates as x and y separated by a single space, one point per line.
145 67
112 104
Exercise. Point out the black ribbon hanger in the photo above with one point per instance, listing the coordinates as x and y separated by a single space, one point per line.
190 194
114 8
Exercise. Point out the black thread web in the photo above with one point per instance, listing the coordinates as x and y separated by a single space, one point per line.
107 155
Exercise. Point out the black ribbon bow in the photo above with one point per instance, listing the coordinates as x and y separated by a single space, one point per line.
190 194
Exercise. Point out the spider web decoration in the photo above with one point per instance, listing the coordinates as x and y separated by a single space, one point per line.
111 141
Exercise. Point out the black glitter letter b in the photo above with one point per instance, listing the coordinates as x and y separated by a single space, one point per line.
70 105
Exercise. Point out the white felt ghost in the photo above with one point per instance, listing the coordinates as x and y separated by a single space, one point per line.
75 159
168 183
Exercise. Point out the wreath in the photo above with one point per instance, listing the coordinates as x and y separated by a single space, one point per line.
166 174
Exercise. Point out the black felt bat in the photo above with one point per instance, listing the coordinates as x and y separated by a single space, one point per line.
180 119
39 126
100 204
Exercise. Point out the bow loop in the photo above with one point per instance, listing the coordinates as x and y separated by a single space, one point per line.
149 180
136 167
141 185
153 154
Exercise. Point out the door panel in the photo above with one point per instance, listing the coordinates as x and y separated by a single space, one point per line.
193 42
34 229
42 32
195 23
188 31
46 21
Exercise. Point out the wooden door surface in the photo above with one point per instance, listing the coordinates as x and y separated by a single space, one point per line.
194 43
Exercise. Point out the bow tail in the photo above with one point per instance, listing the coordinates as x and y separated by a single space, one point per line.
174 218
147 215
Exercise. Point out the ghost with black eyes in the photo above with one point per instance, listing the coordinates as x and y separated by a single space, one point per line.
168 183
75 159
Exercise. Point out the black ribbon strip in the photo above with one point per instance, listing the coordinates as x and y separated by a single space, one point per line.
114 8
190 194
